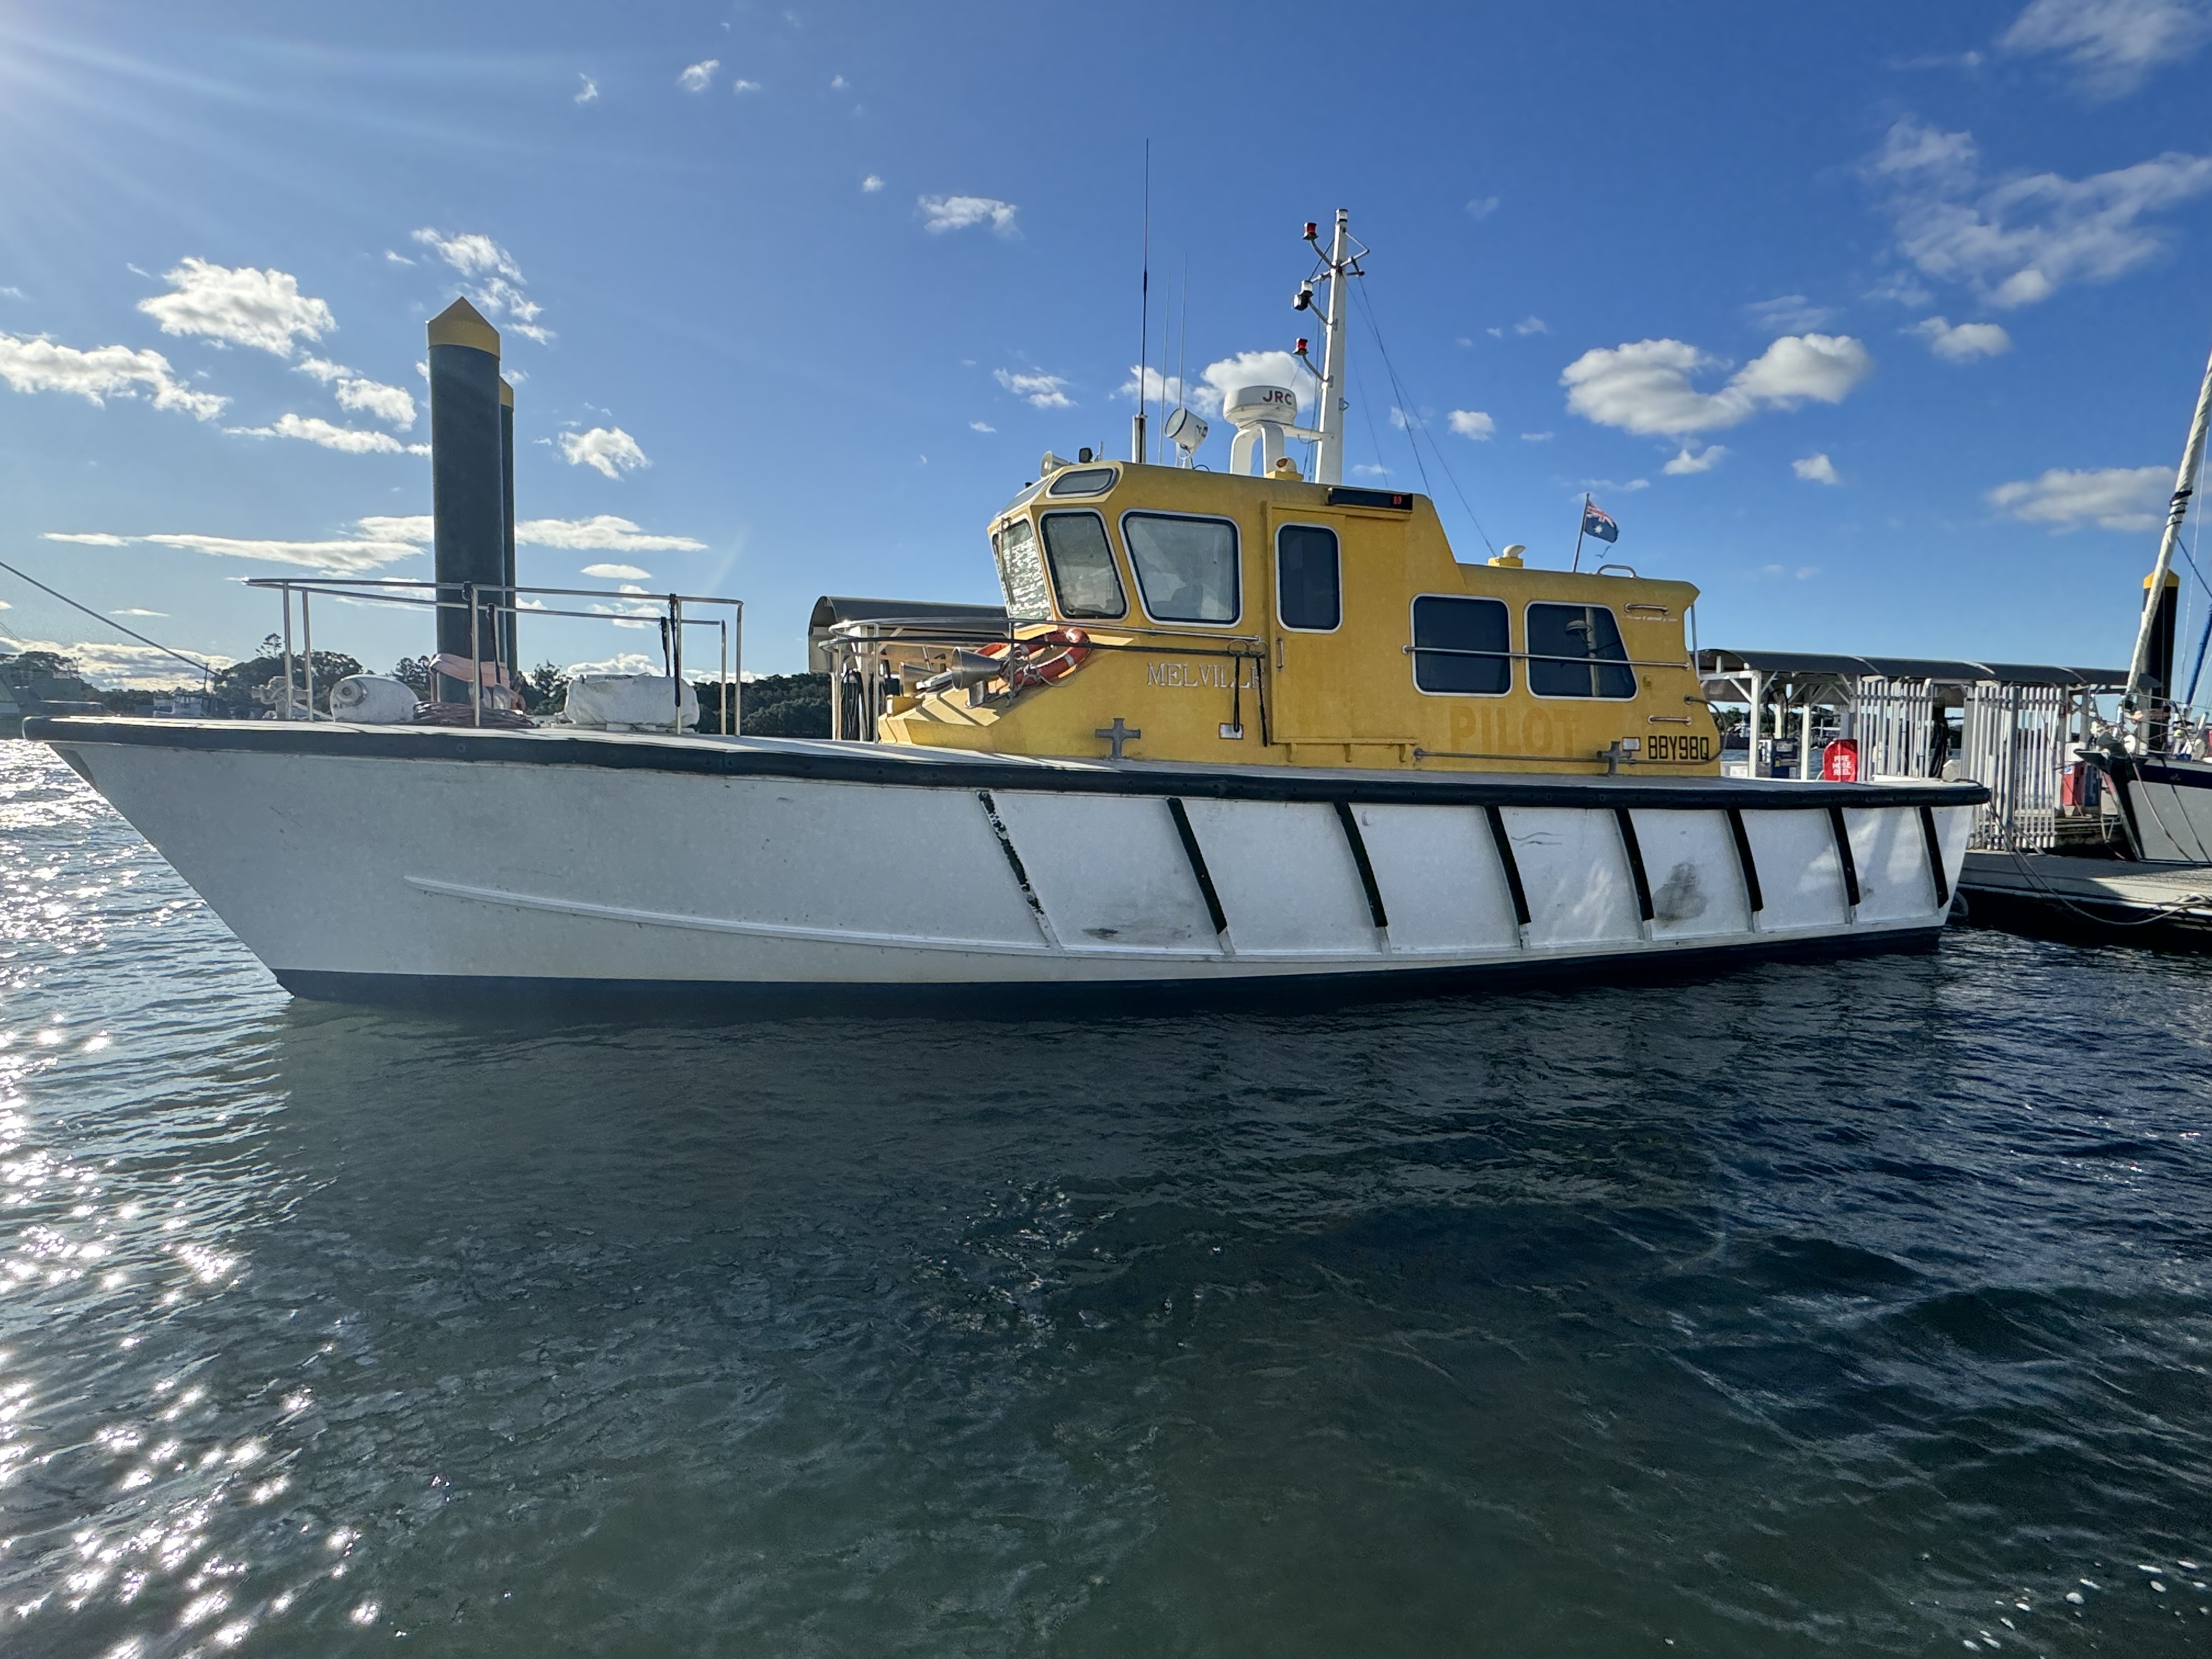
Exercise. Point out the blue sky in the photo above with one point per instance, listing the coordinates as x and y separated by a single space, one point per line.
1883 323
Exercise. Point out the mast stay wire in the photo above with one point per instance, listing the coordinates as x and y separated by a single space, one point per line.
207 672
1413 421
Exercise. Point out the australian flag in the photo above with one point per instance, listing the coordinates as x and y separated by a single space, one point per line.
1599 523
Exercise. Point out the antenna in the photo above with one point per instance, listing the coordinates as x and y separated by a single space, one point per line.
1182 352
1144 317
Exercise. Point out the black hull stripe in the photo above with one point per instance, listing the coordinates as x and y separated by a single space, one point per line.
882 763
1635 871
1745 861
1511 865
1935 845
1192 851
1358 842
1843 855
448 993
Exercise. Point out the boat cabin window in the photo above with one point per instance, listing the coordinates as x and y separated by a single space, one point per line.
1082 481
1186 568
1082 565
1461 647
1021 570
1306 581
1575 651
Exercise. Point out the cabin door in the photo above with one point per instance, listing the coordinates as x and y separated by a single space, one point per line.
1310 680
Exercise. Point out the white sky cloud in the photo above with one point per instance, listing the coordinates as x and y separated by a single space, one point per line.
134 610
942 213
1962 342
499 281
607 450
981 425
344 556
2112 44
603 533
1646 388
1532 325
589 91
86 537
104 372
1482 207
263 309
1816 469
618 573
744 85
1691 459
872 183
2112 497
1042 391
700 75
1472 423
394 406
347 440
121 664
2022 240
1788 313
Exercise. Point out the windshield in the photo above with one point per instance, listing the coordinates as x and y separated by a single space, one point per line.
1187 566
1082 565
1021 570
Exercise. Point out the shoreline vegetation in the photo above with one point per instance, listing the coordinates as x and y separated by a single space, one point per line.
772 706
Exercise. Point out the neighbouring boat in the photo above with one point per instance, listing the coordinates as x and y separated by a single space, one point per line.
1251 725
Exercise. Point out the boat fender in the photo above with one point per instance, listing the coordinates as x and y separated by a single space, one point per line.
619 701
373 700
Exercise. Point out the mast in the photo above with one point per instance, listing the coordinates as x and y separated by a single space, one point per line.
1328 454
2192 456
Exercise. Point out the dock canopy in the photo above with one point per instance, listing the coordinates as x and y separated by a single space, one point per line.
1805 665
982 622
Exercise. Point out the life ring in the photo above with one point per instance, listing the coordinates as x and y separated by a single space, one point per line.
1050 657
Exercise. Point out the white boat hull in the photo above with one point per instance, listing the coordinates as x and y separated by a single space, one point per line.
366 862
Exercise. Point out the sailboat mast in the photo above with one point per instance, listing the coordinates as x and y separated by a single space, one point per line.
2192 456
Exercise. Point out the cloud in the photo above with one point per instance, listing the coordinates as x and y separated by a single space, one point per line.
1481 208
1788 313
13 294
398 259
1592 485
603 533
392 404
607 450
1531 326
700 75
981 425
744 85
39 365
498 290
2112 497
2112 44
617 572
347 440
1962 342
2019 242
589 93
349 557
1690 459
1537 437
1816 469
1645 387
872 183
86 537
942 213
134 610
263 309
120 665
1042 391
836 83
1472 423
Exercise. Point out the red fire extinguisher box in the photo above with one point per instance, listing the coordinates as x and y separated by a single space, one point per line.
1839 761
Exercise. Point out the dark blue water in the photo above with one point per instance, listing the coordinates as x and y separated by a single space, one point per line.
1857 1308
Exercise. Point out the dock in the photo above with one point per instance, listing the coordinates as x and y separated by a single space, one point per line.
2109 900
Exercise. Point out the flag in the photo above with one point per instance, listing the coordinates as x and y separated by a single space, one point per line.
1599 523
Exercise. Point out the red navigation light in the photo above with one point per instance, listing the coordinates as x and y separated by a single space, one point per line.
1312 230
1301 348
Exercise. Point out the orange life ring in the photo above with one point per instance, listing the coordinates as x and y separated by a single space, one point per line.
1073 647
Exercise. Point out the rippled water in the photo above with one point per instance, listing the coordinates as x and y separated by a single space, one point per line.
1858 1307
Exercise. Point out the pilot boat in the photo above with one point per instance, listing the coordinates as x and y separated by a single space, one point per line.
1243 727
